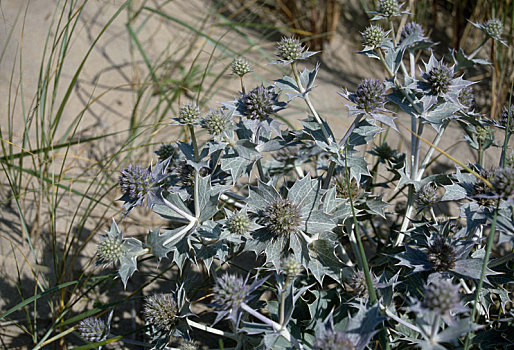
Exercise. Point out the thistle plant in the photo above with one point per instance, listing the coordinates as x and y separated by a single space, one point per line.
93 329
314 209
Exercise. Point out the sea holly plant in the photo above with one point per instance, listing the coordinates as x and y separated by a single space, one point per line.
346 241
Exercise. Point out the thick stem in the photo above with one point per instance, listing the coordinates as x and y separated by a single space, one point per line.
489 246
180 233
211 330
412 60
276 327
197 171
281 318
433 331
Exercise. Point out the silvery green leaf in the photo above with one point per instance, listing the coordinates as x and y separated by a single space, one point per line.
393 58
414 258
357 165
306 193
234 164
307 78
317 222
453 192
261 195
471 268
208 198
376 206
176 210
398 98
369 52
155 241
128 263
439 116
256 328
451 334
462 61
288 85
363 133
312 128
324 261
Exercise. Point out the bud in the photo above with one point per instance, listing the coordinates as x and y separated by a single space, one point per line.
188 114
290 49
217 122
291 267
110 250
333 340
259 103
441 255
240 66
282 217
388 8
230 291
502 180
161 311
410 29
441 296
238 224
136 182
93 329
373 36
370 95
166 151
493 27
440 78
427 195
467 97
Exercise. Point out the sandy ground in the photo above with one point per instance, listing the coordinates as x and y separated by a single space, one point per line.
105 92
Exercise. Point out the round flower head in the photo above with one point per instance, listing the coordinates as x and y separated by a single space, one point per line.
166 151
136 182
441 296
411 28
230 291
291 267
373 36
370 95
110 250
260 102
282 217
290 49
440 78
467 97
358 283
161 311
502 180
240 66
427 195
388 8
333 340
384 152
441 254
504 117
93 329
188 114
493 27
238 223
217 122
482 193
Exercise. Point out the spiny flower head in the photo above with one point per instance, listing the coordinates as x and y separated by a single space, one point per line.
383 151
110 250
370 95
186 172
136 182
230 291
441 254
388 8
161 311
482 193
260 102
440 78
290 49
373 36
333 340
238 223
502 180
493 27
188 114
240 66
93 329
358 283
291 267
410 29
282 217
441 296
467 97
342 188
427 195
217 122
165 151
504 117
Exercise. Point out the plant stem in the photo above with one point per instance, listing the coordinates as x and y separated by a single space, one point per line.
412 60
281 318
507 130
477 50
242 85
211 330
489 246
276 327
197 171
